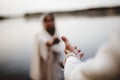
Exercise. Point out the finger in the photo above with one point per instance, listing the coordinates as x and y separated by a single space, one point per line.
81 55
75 47
68 46
65 40
78 50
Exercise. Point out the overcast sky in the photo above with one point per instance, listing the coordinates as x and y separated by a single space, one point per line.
18 7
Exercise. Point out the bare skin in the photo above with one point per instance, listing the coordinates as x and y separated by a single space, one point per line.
68 46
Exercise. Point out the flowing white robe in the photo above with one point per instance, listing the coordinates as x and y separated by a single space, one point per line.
104 66
45 60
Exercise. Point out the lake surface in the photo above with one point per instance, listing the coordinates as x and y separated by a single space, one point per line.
17 37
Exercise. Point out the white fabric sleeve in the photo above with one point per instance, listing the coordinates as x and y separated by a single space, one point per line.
102 67
43 47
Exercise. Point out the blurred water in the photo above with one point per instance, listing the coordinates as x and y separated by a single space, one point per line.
17 37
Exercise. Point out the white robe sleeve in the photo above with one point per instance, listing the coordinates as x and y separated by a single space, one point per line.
102 67
35 64
39 51
43 47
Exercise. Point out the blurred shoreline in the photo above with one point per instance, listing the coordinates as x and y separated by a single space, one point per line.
93 12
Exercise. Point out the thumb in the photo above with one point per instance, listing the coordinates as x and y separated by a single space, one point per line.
65 40
68 46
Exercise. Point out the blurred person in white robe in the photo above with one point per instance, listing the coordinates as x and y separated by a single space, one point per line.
48 55
104 66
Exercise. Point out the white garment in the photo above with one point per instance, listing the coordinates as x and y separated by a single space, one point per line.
104 66
43 57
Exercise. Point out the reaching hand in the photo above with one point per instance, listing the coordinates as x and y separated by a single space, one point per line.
69 47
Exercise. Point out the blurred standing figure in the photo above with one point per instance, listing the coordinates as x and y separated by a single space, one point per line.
48 54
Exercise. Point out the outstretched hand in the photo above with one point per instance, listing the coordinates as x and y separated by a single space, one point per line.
69 47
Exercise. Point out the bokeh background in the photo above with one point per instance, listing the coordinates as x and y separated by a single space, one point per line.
87 23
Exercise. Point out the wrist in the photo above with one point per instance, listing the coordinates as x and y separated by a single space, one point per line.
69 54
49 43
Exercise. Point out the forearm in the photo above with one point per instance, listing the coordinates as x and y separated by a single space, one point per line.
71 68
71 60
